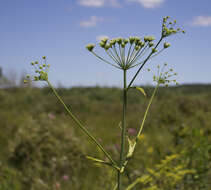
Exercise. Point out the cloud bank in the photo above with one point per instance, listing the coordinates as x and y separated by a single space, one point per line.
201 21
149 4
92 22
98 3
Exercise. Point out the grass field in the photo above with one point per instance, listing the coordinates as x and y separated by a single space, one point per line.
40 147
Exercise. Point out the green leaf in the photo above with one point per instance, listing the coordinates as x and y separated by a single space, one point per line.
96 160
141 90
132 144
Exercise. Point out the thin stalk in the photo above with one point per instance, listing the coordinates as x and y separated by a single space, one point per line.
121 56
81 126
105 60
128 54
148 59
131 54
147 110
111 55
122 157
115 51
131 82
141 54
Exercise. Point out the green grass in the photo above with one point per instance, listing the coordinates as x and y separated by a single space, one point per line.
39 144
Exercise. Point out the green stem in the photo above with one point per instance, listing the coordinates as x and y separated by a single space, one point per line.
146 112
131 82
81 126
141 126
122 157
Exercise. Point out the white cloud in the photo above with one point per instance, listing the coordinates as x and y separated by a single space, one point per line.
201 21
98 3
149 3
92 3
100 37
91 22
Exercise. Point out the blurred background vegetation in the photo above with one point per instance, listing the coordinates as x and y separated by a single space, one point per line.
40 147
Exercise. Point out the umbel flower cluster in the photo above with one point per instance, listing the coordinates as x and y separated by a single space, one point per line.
165 76
41 71
126 53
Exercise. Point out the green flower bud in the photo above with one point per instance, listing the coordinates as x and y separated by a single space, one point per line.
32 63
43 57
141 44
27 76
36 62
40 67
43 76
154 50
36 78
104 40
25 81
102 44
44 65
137 47
107 46
131 40
90 47
112 42
161 81
165 64
126 41
166 45
151 44
137 40
149 38
148 69
119 40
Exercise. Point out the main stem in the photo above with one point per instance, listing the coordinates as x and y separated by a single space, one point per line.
122 158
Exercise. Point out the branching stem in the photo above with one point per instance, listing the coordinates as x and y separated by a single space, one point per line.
79 124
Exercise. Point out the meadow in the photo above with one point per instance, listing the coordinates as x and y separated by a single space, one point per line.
40 147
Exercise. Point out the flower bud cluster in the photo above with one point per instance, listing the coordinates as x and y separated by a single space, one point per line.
117 50
127 52
165 77
40 69
168 27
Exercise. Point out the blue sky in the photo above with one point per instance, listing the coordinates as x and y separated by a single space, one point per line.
60 30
